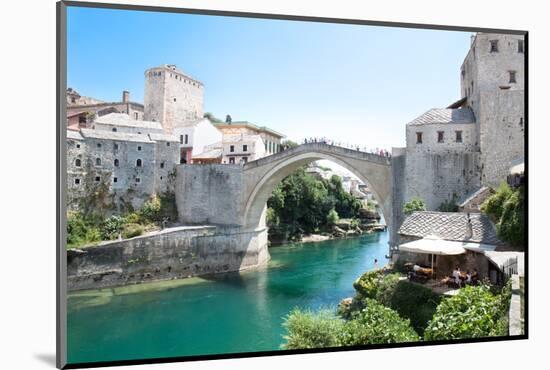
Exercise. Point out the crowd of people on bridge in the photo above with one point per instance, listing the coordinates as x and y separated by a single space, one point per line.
324 140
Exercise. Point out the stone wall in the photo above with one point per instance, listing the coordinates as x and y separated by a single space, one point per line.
172 253
209 193
439 177
497 102
501 133
399 189
109 169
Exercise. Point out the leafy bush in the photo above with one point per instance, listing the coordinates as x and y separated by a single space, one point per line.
332 217
82 229
386 288
377 324
151 209
132 218
474 312
307 329
112 227
416 204
372 325
506 208
494 205
132 230
511 227
366 285
412 301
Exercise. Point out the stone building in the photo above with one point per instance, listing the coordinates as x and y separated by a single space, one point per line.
241 148
451 153
270 138
114 169
172 97
126 151
82 110
121 122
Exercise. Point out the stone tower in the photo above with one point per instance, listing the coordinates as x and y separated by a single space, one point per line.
172 97
492 83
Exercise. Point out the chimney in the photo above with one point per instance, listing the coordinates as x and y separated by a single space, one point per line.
125 96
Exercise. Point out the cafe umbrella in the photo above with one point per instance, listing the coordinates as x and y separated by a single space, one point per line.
433 245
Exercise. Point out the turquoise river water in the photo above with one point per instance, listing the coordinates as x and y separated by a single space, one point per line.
223 314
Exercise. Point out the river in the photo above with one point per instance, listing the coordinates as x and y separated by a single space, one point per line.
222 314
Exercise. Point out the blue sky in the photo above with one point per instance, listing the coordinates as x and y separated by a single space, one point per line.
351 83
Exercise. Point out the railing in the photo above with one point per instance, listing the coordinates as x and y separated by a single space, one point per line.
510 267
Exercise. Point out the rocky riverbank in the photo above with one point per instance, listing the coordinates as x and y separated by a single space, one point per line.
367 222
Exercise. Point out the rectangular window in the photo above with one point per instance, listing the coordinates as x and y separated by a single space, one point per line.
115 179
139 148
231 149
77 181
186 139
512 77
494 46
419 137
181 139
115 146
138 180
136 115
520 46
97 179
162 165
167 143
99 145
245 148
77 146
458 138
440 137
81 119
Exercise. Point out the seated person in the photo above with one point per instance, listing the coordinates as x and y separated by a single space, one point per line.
475 276
468 279
456 276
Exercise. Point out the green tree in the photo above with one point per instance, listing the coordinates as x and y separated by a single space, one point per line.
416 204
332 217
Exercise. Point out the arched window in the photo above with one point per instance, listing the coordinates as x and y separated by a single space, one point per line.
116 162
138 163
78 162
98 161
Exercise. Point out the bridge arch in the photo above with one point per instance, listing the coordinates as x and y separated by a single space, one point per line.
263 175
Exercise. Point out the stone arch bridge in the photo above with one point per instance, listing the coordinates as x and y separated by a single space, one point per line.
236 195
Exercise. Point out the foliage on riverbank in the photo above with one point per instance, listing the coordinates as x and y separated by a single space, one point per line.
475 312
88 228
303 204
507 209
372 325
388 309
412 301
